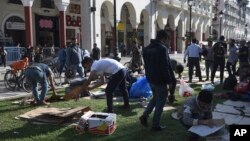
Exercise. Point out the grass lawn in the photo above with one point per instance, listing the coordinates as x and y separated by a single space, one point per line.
128 125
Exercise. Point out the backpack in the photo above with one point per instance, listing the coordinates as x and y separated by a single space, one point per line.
219 50
230 83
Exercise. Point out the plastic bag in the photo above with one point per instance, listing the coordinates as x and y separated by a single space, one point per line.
241 87
209 87
185 90
140 89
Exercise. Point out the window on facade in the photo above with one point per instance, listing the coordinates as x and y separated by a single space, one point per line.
47 4
15 2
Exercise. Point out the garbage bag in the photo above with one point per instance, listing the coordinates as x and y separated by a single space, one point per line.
140 88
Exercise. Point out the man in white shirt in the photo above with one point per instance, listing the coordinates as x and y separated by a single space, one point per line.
117 73
193 52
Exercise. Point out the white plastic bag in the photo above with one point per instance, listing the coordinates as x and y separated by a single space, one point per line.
185 89
209 87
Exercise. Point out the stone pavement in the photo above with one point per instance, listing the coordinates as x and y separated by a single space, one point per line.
6 94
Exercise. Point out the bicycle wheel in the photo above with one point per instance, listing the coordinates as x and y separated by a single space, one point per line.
10 80
26 85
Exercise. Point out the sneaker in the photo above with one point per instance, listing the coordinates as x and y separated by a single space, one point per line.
144 121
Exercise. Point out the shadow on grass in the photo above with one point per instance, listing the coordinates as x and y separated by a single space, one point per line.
28 130
13 108
125 112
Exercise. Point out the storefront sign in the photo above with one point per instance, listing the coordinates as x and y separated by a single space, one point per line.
15 25
73 20
44 23
120 26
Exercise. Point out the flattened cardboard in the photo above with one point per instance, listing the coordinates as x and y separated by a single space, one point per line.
203 130
52 115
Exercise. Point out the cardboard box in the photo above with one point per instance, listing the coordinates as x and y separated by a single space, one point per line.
99 123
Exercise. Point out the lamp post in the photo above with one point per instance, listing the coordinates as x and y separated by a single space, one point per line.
246 26
190 4
220 15
115 49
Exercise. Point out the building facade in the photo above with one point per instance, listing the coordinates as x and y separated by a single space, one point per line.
247 30
140 20
55 22
40 22
230 19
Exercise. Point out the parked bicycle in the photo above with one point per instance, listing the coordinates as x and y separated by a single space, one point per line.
15 77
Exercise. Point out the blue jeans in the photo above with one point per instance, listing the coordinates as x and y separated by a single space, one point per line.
209 66
62 65
158 101
36 76
117 80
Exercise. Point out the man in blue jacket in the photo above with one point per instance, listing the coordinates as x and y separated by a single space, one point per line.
159 74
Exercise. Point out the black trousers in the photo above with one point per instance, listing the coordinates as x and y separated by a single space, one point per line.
117 80
217 63
194 62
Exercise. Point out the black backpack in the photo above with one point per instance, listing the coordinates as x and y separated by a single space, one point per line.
229 83
219 50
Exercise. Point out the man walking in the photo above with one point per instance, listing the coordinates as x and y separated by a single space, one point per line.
193 52
159 74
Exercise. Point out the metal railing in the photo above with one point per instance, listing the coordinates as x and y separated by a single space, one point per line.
15 53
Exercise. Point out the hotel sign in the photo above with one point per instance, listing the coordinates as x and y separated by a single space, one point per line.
15 25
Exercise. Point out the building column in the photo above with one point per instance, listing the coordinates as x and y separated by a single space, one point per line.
203 37
62 7
86 25
28 22
173 41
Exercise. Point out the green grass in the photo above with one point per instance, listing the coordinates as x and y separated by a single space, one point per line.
128 125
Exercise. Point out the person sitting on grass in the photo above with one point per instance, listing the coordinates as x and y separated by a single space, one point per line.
197 110
38 73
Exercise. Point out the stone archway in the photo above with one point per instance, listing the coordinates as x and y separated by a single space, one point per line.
106 15
180 37
127 33
14 30
143 29
171 30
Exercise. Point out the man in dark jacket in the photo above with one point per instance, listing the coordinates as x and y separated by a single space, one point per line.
219 51
95 54
159 74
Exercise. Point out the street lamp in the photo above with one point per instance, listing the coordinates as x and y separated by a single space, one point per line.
190 3
220 15
115 49
246 26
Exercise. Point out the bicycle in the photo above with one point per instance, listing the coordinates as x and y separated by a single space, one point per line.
15 77
53 63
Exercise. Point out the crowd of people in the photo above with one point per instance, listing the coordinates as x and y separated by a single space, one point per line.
159 72
222 55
